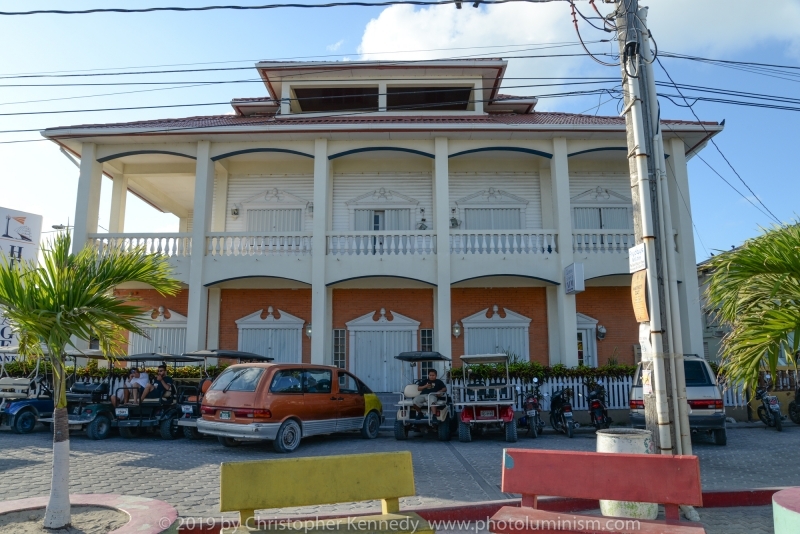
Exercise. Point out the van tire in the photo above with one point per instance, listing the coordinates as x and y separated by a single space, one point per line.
24 422
794 412
400 431
190 432
511 432
721 437
228 442
288 437
371 426
100 428
464 432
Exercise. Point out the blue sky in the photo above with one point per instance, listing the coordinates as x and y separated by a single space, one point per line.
760 143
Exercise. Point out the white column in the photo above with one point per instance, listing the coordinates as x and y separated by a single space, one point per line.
441 199
87 204
183 224
688 289
320 293
198 293
220 198
567 326
214 307
119 197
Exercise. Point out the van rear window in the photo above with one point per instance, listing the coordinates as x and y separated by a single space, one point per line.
696 374
238 379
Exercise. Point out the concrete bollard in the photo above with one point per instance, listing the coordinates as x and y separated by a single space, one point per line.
626 441
786 511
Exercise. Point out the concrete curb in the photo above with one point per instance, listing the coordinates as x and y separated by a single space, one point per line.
479 511
147 516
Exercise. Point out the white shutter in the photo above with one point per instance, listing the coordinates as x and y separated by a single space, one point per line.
477 219
481 340
492 218
586 218
275 220
363 220
368 361
396 342
505 219
398 219
616 218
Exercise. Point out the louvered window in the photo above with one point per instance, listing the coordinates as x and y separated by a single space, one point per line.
275 220
601 218
492 219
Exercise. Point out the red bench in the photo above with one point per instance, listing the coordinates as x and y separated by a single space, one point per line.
668 480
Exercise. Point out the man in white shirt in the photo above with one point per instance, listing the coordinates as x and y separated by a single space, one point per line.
134 386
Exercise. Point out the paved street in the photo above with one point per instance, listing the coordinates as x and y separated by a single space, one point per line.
186 473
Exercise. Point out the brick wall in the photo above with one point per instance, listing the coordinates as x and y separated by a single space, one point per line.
150 298
349 304
528 301
238 303
612 308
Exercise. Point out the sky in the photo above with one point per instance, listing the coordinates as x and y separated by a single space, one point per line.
760 144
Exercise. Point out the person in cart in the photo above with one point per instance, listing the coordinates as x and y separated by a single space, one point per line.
160 386
134 386
426 386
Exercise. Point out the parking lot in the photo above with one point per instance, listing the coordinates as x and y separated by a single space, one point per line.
186 473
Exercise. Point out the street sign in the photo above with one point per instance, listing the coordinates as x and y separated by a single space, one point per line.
573 278
636 259
639 296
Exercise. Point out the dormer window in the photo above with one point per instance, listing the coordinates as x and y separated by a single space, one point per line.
328 99
428 98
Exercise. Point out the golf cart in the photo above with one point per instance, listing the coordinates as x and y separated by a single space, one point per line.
191 397
485 403
23 400
161 412
437 415
88 404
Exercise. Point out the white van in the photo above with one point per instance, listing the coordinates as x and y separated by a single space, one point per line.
706 407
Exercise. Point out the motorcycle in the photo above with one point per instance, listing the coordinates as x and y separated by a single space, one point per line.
532 419
598 411
770 410
561 412
794 408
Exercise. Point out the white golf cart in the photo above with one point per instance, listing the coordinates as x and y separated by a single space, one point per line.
436 414
485 404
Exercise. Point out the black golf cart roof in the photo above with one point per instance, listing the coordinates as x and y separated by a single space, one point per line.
225 353
153 356
420 356
479 359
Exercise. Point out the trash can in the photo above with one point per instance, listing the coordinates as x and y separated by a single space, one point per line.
786 511
626 441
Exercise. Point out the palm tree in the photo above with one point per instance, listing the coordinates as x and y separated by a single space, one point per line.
757 290
71 296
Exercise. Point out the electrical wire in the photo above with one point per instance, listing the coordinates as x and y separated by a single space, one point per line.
578 32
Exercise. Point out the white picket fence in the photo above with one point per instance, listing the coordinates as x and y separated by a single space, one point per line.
617 392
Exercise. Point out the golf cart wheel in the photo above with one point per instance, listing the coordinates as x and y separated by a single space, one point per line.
169 428
400 431
464 432
129 432
511 432
794 412
24 422
371 426
443 430
762 414
721 437
190 432
533 429
100 428
570 428
288 437
227 442
778 422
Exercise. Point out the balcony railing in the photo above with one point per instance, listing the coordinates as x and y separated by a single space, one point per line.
504 242
258 244
167 244
598 241
399 243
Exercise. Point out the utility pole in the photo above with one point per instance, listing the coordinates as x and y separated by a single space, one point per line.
660 336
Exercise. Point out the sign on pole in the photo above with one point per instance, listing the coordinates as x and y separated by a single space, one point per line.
20 233
573 278
636 259
639 296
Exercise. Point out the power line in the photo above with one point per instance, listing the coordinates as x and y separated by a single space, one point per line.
719 150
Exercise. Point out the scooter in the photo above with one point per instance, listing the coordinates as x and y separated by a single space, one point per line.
598 411
561 412
794 408
770 410
532 418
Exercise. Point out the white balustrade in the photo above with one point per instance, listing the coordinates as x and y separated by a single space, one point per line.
167 244
258 244
600 241
503 242
397 243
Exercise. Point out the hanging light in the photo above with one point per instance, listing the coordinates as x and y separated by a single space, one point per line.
456 329
308 330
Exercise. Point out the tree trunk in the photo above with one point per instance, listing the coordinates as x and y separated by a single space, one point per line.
57 514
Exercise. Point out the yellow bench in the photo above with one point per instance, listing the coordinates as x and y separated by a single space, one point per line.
249 486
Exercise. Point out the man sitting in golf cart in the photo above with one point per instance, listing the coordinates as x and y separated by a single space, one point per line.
136 383
162 384
427 386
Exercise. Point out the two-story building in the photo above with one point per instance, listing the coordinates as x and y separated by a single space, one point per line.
362 209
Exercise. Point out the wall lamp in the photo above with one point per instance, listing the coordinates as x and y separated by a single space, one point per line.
601 332
456 329
234 211
308 330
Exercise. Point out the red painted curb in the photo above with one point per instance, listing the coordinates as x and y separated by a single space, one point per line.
480 511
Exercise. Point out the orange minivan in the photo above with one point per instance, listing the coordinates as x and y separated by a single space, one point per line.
286 402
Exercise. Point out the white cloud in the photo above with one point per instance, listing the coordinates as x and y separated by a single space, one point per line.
335 46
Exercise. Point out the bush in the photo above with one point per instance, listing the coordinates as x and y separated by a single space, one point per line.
528 370
24 368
